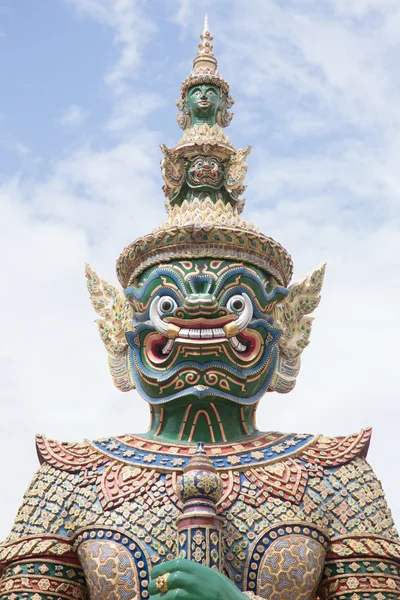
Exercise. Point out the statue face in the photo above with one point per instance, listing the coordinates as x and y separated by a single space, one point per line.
204 101
205 171
203 328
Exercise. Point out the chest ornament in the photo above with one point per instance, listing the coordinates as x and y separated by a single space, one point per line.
272 464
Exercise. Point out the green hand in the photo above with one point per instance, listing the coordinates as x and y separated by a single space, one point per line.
188 580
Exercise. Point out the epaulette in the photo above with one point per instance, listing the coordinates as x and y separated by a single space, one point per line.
323 452
66 456
335 451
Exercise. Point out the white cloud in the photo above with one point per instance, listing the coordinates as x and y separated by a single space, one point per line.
132 29
22 148
131 110
72 116
53 367
87 207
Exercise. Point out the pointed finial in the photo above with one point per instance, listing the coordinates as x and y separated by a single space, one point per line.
205 28
205 56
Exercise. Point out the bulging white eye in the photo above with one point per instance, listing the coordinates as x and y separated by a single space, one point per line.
236 303
166 305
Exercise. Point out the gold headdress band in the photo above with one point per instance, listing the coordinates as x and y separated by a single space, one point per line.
205 230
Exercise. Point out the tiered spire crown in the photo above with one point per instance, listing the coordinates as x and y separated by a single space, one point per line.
203 185
205 58
205 71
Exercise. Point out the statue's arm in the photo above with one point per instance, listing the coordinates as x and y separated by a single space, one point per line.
43 576
363 560
38 561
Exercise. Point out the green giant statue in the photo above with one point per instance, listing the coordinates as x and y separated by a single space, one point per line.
204 506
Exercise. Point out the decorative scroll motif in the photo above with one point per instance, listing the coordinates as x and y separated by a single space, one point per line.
62 579
286 562
115 564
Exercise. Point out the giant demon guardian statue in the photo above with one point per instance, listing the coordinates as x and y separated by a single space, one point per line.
204 506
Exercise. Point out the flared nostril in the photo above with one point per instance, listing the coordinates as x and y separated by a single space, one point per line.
200 304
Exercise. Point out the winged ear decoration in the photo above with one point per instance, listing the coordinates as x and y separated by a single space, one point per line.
172 171
116 319
237 168
292 318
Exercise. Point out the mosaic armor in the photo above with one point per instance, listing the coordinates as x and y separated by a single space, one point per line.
204 505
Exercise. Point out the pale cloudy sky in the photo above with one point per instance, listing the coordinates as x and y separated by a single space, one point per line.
88 93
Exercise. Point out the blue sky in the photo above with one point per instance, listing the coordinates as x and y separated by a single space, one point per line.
88 95
50 59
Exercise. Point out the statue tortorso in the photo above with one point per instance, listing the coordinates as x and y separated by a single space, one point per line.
286 499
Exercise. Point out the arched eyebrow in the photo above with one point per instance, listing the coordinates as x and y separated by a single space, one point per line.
195 89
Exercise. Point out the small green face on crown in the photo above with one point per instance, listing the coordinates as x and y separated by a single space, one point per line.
203 103
205 172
